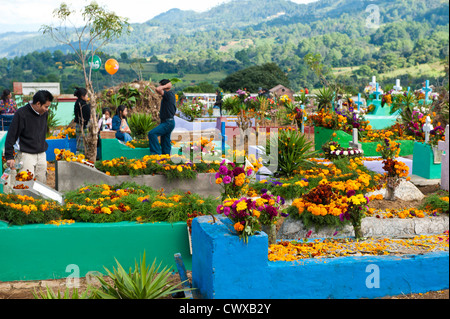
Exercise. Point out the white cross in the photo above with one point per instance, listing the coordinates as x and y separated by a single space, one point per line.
354 143
374 81
427 127
443 146
397 86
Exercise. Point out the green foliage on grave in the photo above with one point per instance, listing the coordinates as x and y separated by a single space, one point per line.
437 202
106 204
140 124
293 151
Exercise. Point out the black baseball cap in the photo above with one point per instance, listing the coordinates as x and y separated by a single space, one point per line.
164 81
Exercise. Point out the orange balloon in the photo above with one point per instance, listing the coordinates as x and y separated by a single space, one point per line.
111 66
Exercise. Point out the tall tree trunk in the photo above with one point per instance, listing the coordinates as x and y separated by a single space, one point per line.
92 137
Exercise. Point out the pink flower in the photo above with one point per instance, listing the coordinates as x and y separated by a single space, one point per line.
227 180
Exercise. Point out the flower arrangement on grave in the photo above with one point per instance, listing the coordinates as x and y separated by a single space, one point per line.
131 202
414 123
395 170
333 150
328 119
270 211
25 176
68 156
243 214
356 211
171 166
395 132
437 134
299 116
353 120
344 120
68 131
192 110
437 203
22 209
243 94
284 99
137 143
201 149
233 179
191 217
386 99
321 206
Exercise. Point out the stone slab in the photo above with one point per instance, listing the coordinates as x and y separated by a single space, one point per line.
406 190
71 176
421 181
371 227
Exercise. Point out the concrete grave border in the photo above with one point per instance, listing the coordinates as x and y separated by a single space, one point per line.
72 175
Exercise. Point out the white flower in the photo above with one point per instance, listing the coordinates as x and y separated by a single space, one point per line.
338 152
345 153
352 152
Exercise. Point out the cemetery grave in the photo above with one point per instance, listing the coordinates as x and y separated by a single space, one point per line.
326 210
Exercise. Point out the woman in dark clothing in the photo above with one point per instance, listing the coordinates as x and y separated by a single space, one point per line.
82 112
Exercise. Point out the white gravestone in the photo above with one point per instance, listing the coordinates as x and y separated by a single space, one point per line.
443 146
354 143
397 86
427 128
374 81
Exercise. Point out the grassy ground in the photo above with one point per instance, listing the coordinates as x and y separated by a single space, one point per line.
431 70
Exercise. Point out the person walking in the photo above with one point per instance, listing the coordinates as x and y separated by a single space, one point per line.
166 114
26 136
219 100
82 112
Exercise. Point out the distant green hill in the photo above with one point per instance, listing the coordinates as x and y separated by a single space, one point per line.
241 33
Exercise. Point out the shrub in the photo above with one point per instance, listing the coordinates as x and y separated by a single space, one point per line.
293 151
140 124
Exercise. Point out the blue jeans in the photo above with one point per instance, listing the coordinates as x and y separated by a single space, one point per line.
164 130
124 137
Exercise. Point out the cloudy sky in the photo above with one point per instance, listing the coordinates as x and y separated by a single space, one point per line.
29 15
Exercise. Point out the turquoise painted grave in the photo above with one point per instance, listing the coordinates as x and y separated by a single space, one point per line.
423 162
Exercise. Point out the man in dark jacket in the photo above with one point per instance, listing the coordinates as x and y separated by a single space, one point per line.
166 115
27 134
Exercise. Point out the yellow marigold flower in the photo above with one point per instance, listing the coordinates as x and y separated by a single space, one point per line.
219 181
106 210
242 205
260 202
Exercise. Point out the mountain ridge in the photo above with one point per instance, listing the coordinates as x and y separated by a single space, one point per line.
161 34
